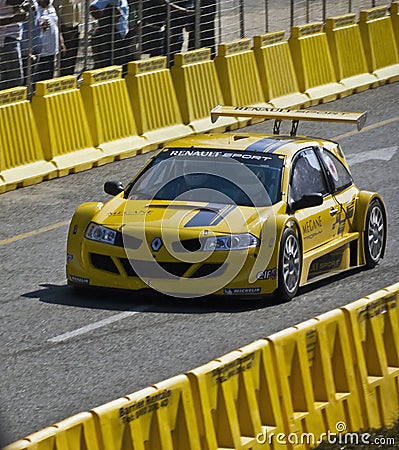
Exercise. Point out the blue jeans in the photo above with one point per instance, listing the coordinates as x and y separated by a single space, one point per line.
10 64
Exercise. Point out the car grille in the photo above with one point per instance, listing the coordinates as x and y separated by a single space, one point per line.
103 262
130 272
205 269
127 241
177 269
190 245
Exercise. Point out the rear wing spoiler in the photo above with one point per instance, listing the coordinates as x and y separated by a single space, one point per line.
289 114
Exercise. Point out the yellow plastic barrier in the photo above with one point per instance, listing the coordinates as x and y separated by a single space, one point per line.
109 113
22 160
277 73
313 64
63 127
325 340
238 76
379 44
76 432
155 418
302 411
375 329
44 439
347 53
113 419
395 21
154 101
334 373
237 400
18 445
263 380
2 182
198 90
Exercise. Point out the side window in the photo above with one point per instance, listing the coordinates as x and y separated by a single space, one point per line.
339 175
306 175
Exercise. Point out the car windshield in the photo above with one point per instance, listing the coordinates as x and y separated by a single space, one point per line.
208 175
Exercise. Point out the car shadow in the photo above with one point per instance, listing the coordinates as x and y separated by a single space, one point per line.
155 302
144 301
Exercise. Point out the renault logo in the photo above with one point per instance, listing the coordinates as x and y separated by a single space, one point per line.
156 244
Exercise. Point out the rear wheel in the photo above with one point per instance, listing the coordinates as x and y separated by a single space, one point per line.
290 265
374 234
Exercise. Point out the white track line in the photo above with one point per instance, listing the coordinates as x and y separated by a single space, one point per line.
92 326
54 226
383 154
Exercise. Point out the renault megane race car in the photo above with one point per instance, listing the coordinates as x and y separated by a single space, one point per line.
231 214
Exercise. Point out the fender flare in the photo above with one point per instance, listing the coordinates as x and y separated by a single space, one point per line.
81 218
359 224
363 202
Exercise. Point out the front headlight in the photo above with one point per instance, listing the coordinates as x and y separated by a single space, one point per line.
231 242
99 233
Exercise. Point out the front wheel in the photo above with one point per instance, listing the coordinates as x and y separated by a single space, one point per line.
374 234
290 265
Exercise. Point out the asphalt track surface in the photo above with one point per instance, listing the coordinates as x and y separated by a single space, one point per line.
63 352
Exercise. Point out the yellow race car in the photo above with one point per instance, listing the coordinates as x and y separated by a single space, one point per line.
232 214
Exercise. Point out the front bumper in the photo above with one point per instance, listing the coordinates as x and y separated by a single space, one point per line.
91 263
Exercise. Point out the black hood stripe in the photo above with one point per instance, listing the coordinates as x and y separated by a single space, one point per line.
208 218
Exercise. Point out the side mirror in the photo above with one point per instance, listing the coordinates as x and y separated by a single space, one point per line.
307 201
113 187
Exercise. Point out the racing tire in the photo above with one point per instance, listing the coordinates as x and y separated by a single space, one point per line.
374 234
290 266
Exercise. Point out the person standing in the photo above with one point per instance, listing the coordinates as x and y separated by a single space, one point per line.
181 17
51 40
109 43
207 26
30 43
11 19
69 17
153 27
207 32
